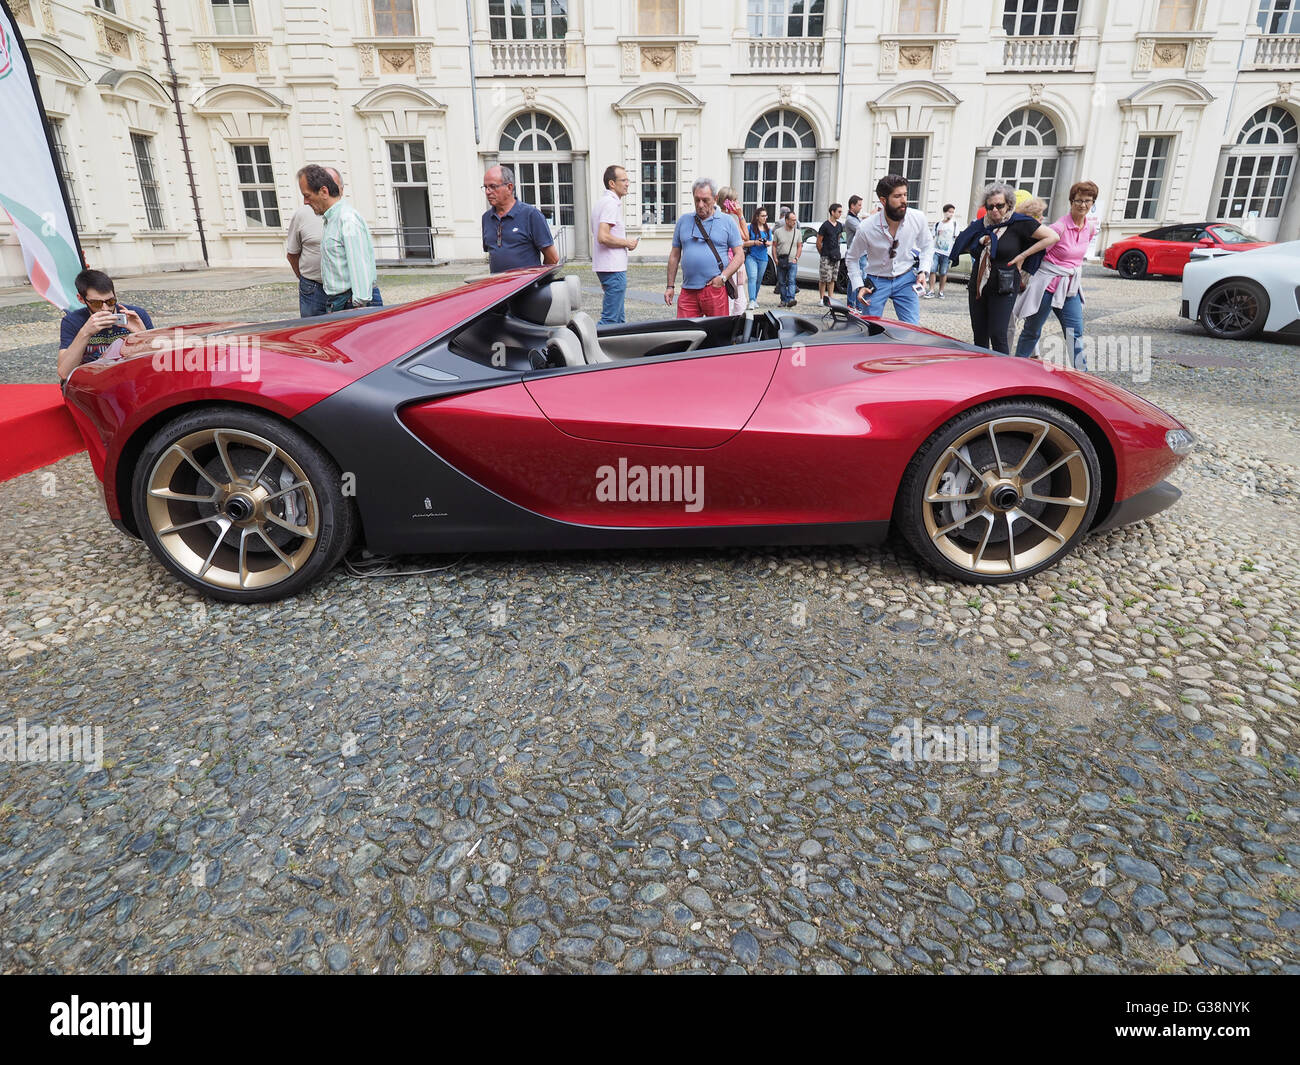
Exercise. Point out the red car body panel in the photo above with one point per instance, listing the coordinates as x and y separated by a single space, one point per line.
1168 257
829 441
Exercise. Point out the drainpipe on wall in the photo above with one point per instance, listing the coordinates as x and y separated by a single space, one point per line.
839 97
180 122
473 80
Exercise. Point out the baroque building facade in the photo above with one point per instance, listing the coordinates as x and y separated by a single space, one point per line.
1180 110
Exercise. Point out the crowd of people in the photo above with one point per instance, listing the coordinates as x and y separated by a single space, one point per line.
1021 267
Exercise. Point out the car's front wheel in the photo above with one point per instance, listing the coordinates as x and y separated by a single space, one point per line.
1000 492
1132 264
240 505
1234 310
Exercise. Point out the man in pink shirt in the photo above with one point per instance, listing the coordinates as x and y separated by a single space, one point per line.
1056 285
609 245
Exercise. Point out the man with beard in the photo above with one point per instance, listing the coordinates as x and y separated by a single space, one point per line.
893 240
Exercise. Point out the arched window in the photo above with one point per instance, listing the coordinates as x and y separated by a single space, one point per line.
1258 171
537 147
780 165
1024 153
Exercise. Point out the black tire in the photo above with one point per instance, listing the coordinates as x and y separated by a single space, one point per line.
769 274
1001 530
1132 264
1235 309
265 517
842 278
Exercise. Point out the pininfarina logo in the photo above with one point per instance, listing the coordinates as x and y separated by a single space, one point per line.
102 1018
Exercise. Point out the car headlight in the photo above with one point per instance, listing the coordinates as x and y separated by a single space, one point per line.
1180 441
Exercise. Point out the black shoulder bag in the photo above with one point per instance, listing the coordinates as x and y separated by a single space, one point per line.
730 284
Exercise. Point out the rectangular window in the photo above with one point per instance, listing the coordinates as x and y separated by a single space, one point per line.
394 18
907 157
528 20
1176 14
144 169
656 18
658 181
408 162
65 171
918 16
232 16
1040 18
106 5
1147 180
1279 16
786 18
256 183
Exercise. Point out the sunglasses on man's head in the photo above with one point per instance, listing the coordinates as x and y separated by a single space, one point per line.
95 305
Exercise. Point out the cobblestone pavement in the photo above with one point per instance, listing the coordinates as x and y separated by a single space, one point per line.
674 760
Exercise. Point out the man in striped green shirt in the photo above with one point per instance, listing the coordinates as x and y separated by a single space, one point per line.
347 252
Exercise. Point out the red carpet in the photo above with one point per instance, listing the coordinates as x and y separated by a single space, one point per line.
35 429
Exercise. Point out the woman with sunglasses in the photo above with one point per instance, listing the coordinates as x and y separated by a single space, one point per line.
1000 243
1056 286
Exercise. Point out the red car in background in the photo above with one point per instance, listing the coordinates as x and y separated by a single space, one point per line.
1166 250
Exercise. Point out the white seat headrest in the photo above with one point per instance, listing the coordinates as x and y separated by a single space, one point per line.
575 291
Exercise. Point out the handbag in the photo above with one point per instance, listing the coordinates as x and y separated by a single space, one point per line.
729 283
1008 280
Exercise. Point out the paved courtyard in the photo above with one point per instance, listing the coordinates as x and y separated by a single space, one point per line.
672 760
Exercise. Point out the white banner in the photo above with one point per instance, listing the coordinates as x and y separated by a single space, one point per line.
30 191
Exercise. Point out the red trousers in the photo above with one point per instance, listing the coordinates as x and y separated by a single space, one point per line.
706 302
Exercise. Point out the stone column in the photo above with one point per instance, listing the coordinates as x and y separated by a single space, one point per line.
1067 173
581 208
737 156
823 191
977 182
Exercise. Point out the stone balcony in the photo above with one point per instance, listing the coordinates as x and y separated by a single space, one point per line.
779 55
530 58
1277 51
1040 53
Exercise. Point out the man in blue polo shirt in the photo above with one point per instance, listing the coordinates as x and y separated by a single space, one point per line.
515 233
702 242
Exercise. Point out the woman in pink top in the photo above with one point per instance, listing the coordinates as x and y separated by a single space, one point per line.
1056 285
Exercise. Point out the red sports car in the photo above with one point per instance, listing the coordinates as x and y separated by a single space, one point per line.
1165 251
499 417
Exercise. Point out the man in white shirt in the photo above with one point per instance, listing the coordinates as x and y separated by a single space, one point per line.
609 245
888 239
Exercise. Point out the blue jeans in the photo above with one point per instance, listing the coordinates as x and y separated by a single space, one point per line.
1071 318
907 307
755 268
939 266
342 300
311 298
614 285
853 294
786 279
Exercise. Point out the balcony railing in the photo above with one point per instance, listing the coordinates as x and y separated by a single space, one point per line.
1275 51
790 55
1040 53
410 244
529 57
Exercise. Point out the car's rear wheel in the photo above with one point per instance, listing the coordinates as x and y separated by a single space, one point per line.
1132 264
842 278
1234 310
1000 492
240 505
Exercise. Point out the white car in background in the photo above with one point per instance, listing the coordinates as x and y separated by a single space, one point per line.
1240 295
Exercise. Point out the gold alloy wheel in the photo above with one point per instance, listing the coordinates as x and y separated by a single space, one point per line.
232 509
1006 496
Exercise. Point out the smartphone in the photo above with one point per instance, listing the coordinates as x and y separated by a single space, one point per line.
868 286
120 319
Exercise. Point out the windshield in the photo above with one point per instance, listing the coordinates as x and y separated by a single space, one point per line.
1231 235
